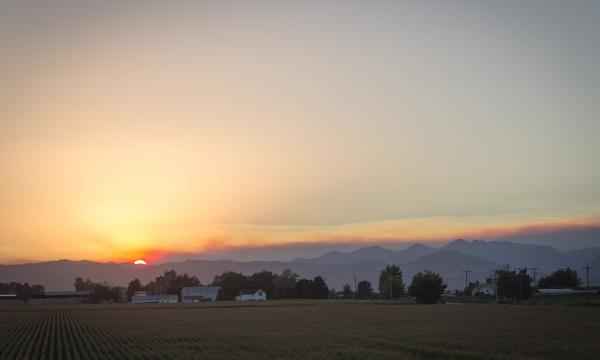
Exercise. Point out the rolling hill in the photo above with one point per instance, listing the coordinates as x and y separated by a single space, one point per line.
338 268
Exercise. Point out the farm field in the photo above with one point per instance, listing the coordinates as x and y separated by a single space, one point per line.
299 330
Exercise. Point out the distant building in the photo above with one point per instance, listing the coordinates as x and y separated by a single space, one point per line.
199 293
257 295
485 289
154 299
10 299
557 291
123 297
60 297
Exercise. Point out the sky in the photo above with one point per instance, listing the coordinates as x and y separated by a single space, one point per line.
133 129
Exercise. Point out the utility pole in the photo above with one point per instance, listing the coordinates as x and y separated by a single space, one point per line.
494 272
534 269
520 275
587 276
466 278
587 283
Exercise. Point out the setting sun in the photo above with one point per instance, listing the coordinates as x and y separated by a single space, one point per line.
140 262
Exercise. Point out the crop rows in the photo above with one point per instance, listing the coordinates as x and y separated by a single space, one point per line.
314 330
72 335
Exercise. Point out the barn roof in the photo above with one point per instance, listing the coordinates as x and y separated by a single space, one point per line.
204 291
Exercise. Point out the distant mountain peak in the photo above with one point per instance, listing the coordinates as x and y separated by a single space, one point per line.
459 241
419 246
372 247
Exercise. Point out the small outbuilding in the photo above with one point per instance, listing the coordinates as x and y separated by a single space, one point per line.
199 293
257 295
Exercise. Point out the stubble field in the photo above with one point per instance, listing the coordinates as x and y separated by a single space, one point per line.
299 330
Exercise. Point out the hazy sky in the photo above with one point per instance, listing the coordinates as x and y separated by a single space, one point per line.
133 127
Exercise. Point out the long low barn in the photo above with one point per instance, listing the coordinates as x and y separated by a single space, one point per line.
60 297
154 299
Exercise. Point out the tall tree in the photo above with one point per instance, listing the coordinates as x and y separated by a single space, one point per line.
364 290
427 287
312 289
81 285
391 284
320 289
171 283
23 291
134 285
265 281
231 283
562 278
513 285
347 291
285 284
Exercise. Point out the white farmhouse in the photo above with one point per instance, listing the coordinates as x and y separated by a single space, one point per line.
257 295
199 293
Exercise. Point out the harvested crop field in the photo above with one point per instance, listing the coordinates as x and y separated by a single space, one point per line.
300 330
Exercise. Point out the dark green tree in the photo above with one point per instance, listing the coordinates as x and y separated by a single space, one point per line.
231 283
265 281
303 289
364 290
347 291
82 285
319 288
563 278
391 284
312 289
150 287
171 283
285 284
134 285
23 291
514 285
427 287
104 292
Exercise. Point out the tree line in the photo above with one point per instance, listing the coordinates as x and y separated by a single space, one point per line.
517 285
425 287
286 285
100 292
23 291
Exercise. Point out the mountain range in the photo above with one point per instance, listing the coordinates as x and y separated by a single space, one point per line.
337 267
